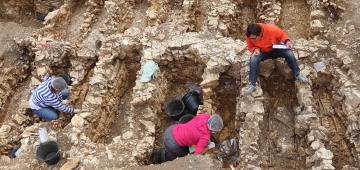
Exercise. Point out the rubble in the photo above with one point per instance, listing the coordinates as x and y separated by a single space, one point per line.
103 46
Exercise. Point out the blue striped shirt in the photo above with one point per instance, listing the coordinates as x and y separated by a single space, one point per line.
43 97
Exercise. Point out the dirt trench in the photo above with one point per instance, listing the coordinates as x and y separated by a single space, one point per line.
225 103
333 118
280 147
119 123
115 123
176 75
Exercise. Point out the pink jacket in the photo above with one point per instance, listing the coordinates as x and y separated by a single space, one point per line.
194 132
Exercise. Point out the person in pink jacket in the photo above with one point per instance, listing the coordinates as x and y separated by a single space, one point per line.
179 137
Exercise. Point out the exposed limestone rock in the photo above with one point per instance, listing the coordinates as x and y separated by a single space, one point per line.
70 165
316 26
106 59
269 11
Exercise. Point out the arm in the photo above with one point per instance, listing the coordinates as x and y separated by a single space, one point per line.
55 103
281 35
202 144
251 46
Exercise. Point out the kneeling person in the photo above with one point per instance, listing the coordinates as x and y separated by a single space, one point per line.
179 137
46 99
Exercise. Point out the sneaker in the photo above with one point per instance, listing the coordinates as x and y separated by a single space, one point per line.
251 88
301 78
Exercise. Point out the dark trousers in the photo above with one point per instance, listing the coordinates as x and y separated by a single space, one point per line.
284 53
173 150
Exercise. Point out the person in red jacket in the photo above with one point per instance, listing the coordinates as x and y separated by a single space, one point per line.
178 137
260 39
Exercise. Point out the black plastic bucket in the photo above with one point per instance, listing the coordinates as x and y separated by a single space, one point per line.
175 109
192 102
48 152
186 118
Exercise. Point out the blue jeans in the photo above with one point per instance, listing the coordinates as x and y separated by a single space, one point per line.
255 62
49 113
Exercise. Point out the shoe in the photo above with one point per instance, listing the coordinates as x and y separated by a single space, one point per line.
301 78
251 88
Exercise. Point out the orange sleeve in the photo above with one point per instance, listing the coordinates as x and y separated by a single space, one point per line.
251 46
280 34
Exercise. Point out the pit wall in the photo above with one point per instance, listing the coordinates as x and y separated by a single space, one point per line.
269 11
251 110
307 120
348 94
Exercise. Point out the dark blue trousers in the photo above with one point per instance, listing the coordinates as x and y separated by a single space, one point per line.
284 53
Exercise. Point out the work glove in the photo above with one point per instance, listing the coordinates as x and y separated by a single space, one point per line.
81 110
77 110
65 102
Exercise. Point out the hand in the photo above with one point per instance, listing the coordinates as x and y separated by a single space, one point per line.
65 102
256 52
77 110
289 44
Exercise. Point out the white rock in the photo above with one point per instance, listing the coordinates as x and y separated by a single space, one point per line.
84 114
150 126
70 164
303 54
94 100
351 27
347 60
255 107
127 135
4 130
117 140
34 82
323 153
20 118
317 14
315 145
316 26
352 98
210 79
98 78
41 71
78 121
326 165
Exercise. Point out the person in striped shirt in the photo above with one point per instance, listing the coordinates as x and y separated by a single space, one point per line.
47 99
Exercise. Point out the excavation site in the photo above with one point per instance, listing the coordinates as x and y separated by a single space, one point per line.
115 84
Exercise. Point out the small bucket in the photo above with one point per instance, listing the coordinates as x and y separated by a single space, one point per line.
192 102
186 118
48 152
175 109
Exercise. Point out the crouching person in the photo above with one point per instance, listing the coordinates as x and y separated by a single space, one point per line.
179 137
46 99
